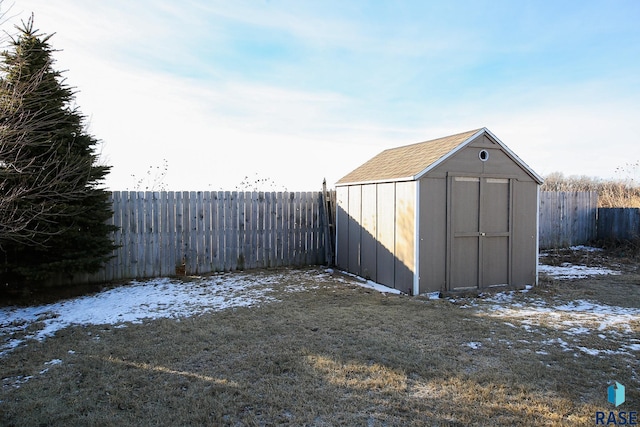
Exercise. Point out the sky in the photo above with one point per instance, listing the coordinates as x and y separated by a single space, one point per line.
216 95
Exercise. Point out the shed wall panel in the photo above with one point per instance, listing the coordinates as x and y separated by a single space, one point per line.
466 161
496 227
465 228
465 263
342 227
525 231
405 231
369 232
433 234
385 247
355 228
495 260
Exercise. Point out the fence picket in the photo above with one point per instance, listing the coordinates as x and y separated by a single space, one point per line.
269 229
567 218
169 233
618 223
166 233
279 243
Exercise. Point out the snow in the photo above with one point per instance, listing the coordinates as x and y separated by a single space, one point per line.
157 298
140 301
585 248
369 284
570 271
574 318
136 302
473 345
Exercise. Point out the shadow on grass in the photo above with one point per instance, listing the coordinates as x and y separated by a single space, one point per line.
334 355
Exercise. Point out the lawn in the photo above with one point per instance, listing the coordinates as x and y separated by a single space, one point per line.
315 347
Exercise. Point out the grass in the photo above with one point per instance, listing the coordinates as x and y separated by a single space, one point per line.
336 354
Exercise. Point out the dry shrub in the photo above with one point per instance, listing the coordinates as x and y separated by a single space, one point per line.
623 193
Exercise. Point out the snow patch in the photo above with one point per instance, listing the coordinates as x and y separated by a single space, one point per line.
433 295
370 284
570 271
473 345
139 301
585 248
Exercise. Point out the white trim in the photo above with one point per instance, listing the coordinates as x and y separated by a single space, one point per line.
537 232
464 143
444 158
416 241
449 154
377 181
483 155
335 253
515 157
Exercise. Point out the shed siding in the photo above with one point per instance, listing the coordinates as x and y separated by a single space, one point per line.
342 227
525 233
355 228
466 161
433 234
378 223
368 235
376 232
521 263
386 215
405 232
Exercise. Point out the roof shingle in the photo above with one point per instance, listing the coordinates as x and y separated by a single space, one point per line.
407 161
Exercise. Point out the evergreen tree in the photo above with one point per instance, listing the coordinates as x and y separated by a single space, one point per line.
53 209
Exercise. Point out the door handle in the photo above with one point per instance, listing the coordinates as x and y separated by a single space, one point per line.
482 234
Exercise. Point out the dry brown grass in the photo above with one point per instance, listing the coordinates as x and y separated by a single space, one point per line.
611 193
336 354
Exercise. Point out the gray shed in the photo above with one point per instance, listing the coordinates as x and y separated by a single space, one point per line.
451 214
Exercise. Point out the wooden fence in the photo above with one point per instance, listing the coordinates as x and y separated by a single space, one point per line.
567 218
618 223
167 233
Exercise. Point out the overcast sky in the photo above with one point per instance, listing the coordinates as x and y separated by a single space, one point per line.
296 91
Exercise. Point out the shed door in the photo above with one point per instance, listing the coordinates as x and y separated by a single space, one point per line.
479 232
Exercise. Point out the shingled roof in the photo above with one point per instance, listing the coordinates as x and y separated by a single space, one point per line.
412 161
406 162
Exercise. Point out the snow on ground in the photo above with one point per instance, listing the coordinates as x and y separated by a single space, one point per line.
570 271
156 298
575 319
172 298
134 303
369 284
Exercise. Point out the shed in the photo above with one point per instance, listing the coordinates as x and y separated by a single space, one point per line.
451 214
